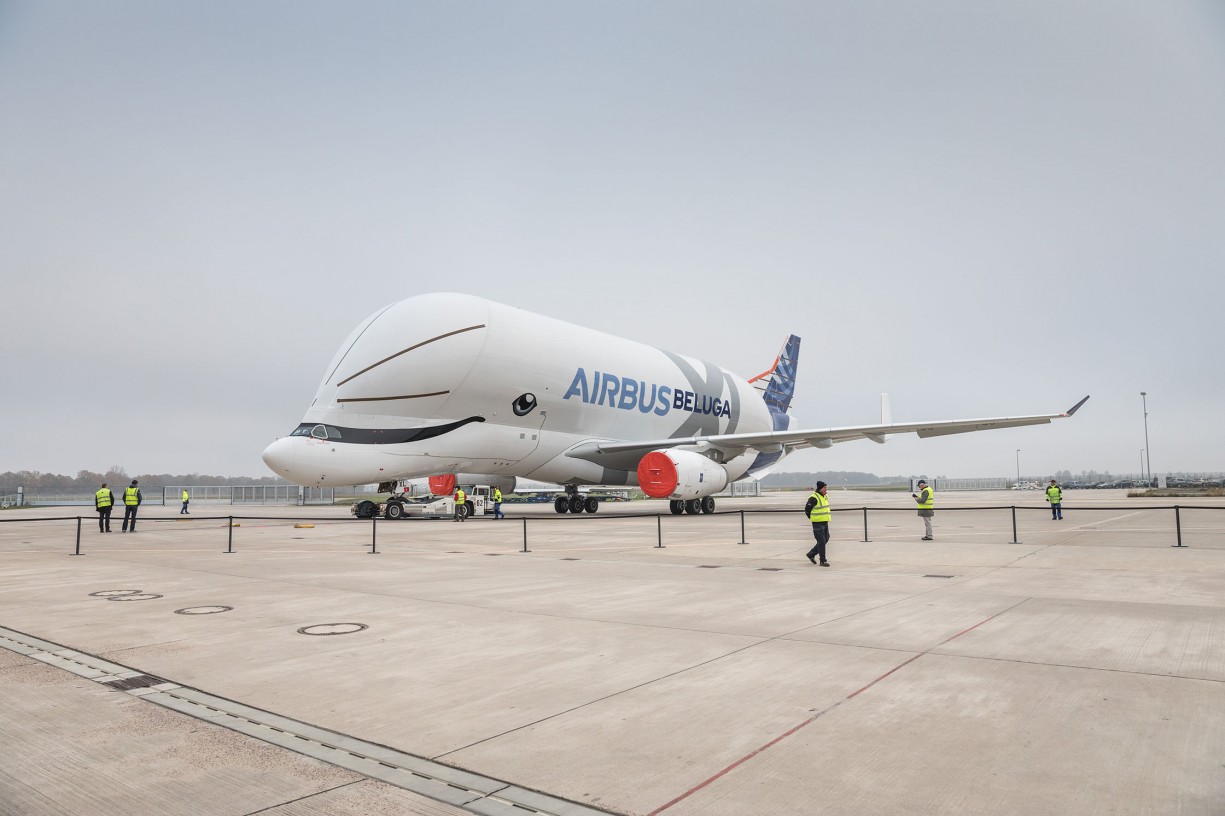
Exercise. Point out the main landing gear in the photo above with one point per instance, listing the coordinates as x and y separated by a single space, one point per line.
706 504
572 502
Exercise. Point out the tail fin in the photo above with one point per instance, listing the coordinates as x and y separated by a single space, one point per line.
781 385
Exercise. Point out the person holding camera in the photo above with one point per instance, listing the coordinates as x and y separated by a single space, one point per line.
927 505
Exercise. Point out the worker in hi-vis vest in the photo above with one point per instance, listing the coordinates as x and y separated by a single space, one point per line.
1054 495
186 499
104 501
927 508
817 510
461 511
497 504
131 501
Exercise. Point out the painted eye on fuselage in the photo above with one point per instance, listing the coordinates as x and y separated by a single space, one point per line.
524 404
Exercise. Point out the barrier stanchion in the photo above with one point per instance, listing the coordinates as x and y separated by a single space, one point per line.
78 552
1014 525
1177 527
659 532
374 521
525 549
742 541
865 525
229 542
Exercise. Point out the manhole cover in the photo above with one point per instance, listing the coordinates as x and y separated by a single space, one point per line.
110 593
129 683
143 596
202 610
332 629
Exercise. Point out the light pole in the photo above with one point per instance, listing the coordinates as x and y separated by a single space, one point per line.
1148 456
1141 463
1018 465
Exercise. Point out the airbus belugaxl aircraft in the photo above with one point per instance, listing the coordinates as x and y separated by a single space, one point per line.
443 383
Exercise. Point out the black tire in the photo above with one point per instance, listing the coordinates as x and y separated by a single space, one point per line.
693 507
592 504
676 506
708 504
576 504
469 509
367 510
394 510
561 504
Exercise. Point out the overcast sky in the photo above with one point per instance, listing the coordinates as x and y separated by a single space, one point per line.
983 209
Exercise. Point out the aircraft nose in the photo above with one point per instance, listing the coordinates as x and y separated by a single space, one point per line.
279 457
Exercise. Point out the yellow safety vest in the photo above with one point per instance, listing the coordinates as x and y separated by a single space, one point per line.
460 497
820 511
1054 495
186 497
104 497
497 495
129 495
927 499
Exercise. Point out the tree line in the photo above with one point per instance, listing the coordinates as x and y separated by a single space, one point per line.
88 480
833 478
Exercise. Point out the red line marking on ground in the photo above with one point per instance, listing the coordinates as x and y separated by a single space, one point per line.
736 764
813 718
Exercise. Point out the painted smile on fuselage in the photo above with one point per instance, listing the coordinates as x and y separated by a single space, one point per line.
378 436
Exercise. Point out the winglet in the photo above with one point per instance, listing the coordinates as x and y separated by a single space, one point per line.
1076 407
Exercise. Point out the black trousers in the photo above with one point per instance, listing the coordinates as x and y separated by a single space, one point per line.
129 512
820 531
104 519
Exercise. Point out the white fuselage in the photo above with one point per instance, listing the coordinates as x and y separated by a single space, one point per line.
441 383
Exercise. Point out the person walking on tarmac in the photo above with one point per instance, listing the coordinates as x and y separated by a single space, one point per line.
104 500
817 510
186 499
1054 495
131 501
927 503
461 509
497 504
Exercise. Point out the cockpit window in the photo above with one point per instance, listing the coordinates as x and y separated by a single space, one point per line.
317 431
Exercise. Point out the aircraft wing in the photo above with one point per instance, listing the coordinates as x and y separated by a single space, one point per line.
625 455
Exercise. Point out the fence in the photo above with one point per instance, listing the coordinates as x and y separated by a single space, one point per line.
171 495
1173 524
250 494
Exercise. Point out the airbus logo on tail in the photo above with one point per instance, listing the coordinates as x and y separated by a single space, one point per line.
628 394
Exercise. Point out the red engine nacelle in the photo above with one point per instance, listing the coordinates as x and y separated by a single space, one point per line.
679 474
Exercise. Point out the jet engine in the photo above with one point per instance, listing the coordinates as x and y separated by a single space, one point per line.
679 474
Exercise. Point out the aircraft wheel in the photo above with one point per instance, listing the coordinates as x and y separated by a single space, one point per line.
576 504
561 504
591 505
693 507
367 509
394 510
708 504
676 506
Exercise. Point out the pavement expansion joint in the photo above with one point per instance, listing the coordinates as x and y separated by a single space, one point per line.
463 789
